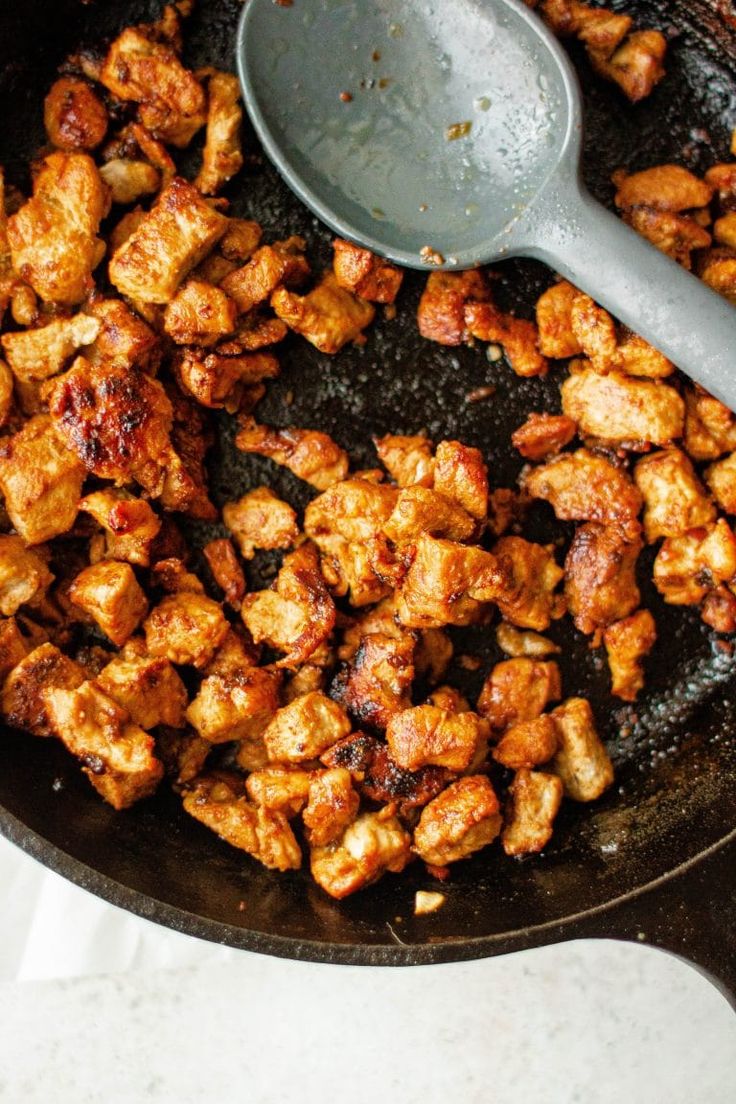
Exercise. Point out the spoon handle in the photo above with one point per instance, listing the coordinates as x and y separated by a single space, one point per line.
646 290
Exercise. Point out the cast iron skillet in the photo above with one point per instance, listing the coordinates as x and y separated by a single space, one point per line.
653 860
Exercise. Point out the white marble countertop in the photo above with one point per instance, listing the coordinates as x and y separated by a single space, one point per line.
100 1006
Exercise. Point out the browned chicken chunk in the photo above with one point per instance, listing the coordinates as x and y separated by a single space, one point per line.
309 454
710 427
518 336
366 275
282 264
534 801
185 628
379 777
600 576
615 407
441 313
721 479
528 744
554 321
369 847
74 115
22 701
123 337
235 706
542 435
531 602
429 736
226 570
448 584
146 686
40 353
130 525
110 593
376 684
328 316
285 789
690 565
461 820
222 157
518 690
260 520
581 486
199 314
13 647
674 497
408 460
41 481
627 643
460 473
582 761
332 806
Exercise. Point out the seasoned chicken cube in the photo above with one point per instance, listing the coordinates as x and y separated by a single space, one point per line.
182 465
379 777
13 647
719 610
234 653
461 820
534 801
74 115
724 230
554 321
24 575
309 454
627 643
674 498
117 756
218 801
710 427
616 407
542 435
116 419
123 337
721 478
422 510
441 313
232 381
594 330
665 188
41 481
448 584
515 643
376 684
332 806
226 571
531 602
518 690
235 706
184 754
636 66
328 316
461 474
370 846
518 336
600 576
240 240
110 593
40 353
222 157
53 242
450 699
129 181
675 235
362 272
305 728
22 701
298 614
582 761
378 619
688 566
130 524
271 266
528 743
146 686
199 314
636 357
429 736
260 520
581 486
722 177
187 628
172 576
408 460
175 235
285 789
718 271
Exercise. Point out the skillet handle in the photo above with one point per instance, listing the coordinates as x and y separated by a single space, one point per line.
691 914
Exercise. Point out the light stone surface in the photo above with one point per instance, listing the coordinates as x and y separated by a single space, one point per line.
99 1006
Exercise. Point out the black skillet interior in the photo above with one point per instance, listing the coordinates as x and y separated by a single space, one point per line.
675 751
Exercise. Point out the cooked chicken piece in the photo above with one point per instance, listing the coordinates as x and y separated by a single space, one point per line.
222 156
448 584
227 572
598 28
251 755
116 419
515 643
722 178
636 357
260 520
688 566
309 677
422 510
627 642
721 478
505 507
328 316
116 756
636 66
24 576
110 593
674 498
616 407
218 380
130 524
542 435
379 619
333 805
235 652
724 230
41 481
240 240
24 305
174 236
534 801
461 474
40 353
450 699
256 331
184 475
581 486
309 454
123 337
432 655
148 72
173 576
199 314
74 116
184 754
676 235
362 272
718 270
710 427
218 800
285 789
664 188
595 331
519 337
518 690
379 778
600 576
527 744
22 702
408 460
718 610
136 145
370 846
186 628
146 686
235 706
129 181
461 820
554 322
298 614
429 736
582 761
13 647
305 728
376 683
530 601
270 267
441 313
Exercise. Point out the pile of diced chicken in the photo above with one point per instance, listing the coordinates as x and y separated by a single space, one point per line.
283 719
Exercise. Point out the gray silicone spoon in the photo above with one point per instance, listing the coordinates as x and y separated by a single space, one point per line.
354 100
